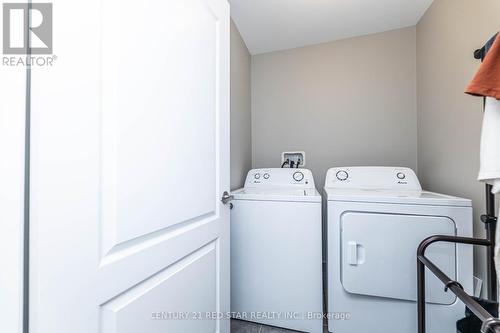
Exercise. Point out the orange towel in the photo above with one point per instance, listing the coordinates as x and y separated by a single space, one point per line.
486 82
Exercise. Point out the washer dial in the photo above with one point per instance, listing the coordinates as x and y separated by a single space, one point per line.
298 176
401 175
342 175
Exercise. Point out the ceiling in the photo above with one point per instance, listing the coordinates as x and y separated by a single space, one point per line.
270 25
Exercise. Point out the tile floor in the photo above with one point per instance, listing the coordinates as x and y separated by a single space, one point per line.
239 326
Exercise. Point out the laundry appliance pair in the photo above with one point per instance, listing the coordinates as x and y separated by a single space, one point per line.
373 221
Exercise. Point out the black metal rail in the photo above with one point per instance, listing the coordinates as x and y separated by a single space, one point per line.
490 222
490 324
489 218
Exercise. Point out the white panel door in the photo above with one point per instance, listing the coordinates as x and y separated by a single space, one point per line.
12 144
130 157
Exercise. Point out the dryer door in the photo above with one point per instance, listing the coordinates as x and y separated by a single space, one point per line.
379 255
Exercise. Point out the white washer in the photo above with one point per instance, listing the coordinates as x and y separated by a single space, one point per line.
276 273
376 218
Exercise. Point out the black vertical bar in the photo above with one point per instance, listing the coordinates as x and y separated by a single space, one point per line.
420 296
490 235
492 287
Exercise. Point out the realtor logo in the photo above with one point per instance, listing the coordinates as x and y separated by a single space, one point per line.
27 28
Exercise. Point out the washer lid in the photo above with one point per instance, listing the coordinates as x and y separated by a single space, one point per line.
277 194
414 197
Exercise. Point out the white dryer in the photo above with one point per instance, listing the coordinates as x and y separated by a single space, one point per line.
276 264
376 218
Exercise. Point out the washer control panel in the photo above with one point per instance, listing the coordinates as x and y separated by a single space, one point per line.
300 178
384 178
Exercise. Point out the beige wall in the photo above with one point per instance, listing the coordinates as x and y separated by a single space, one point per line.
241 139
449 122
348 102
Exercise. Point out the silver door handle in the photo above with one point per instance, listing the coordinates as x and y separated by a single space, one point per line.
226 198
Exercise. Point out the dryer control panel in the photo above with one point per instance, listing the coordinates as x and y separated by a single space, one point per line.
382 178
280 177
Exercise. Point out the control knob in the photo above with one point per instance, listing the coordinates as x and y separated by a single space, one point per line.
342 175
298 176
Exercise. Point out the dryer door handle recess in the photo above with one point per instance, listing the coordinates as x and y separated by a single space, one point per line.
356 253
226 197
